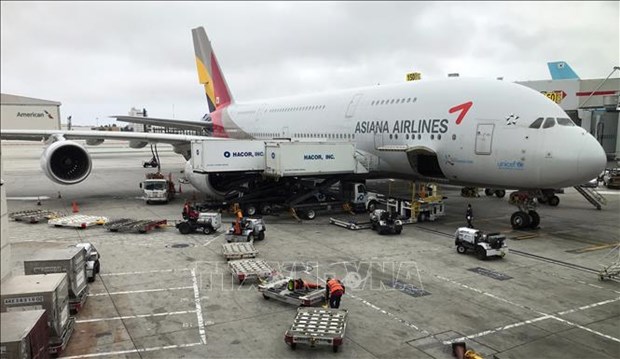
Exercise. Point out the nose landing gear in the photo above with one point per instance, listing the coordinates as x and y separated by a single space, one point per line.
526 216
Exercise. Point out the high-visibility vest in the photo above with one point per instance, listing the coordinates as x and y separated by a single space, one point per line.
334 285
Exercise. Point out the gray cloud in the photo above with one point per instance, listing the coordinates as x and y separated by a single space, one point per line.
101 58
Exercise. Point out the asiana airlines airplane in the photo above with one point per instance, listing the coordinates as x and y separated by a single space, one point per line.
468 132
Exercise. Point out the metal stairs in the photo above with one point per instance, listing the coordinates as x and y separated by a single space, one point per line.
592 196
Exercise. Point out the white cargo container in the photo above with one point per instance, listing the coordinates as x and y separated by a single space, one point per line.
309 158
45 291
63 260
228 155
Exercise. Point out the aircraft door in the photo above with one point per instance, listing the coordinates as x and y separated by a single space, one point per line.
285 132
484 138
353 105
378 139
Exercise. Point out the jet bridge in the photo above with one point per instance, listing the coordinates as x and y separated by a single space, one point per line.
280 158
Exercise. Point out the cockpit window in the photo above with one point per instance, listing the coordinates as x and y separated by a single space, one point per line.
537 123
549 122
565 122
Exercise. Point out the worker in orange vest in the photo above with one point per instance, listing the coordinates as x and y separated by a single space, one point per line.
334 291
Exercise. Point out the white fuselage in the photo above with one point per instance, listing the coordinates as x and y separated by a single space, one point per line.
486 139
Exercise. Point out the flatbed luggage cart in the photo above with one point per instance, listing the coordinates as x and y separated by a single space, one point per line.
278 290
134 225
350 223
77 221
33 215
256 269
317 326
239 250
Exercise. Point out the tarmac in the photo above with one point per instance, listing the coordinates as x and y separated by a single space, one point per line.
166 295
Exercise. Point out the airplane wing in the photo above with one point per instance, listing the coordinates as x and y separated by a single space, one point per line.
182 124
39 135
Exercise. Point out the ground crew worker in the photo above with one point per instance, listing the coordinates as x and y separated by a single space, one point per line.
469 215
334 291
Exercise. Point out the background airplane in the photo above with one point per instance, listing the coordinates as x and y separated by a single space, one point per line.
482 133
560 70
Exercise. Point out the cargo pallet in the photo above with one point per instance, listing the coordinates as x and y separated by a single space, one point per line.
238 251
245 269
317 326
77 221
33 215
278 290
350 223
134 225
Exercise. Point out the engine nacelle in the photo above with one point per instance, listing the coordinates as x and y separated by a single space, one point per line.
66 162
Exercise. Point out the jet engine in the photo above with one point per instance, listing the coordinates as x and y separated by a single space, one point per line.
66 162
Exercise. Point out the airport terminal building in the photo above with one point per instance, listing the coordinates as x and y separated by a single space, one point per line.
27 113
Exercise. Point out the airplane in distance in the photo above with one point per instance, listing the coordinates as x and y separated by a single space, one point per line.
560 70
467 132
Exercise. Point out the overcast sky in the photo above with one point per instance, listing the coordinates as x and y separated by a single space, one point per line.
101 59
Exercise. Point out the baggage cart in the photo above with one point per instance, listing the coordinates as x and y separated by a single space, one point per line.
238 250
279 290
77 221
256 269
134 225
33 215
317 326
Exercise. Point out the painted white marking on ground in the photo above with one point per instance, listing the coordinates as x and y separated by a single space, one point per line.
145 272
587 329
409 324
212 240
141 350
138 291
134 316
201 325
498 329
589 306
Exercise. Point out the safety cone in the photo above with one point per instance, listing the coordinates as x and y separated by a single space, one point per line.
38 201
59 196
74 205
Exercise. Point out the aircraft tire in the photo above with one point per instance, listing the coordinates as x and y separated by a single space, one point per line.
488 192
519 220
500 193
554 201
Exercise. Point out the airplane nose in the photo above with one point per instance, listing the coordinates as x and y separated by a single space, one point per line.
592 159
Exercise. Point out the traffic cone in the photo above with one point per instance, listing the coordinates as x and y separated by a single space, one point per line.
59 196
38 201
74 205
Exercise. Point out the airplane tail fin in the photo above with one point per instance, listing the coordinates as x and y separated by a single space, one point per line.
560 70
209 72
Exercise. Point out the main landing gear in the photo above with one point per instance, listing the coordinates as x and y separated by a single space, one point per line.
526 217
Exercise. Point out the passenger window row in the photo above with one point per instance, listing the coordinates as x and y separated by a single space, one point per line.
393 101
298 108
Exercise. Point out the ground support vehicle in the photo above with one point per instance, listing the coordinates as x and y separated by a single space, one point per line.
48 292
24 334
238 250
249 229
483 244
256 269
157 188
34 215
385 222
611 178
63 260
317 326
207 222
350 223
93 266
77 221
134 225
280 289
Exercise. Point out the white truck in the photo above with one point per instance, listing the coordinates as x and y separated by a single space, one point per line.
483 244
157 188
92 260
